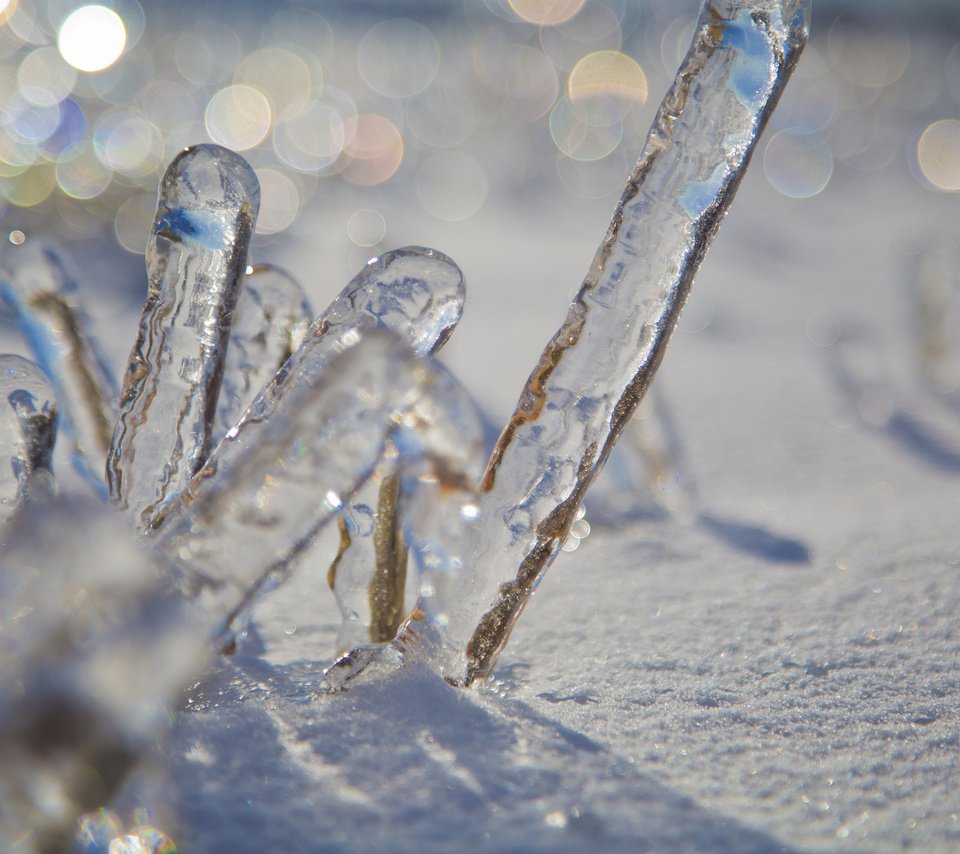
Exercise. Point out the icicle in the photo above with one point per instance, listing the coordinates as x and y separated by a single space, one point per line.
36 282
28 430
196 256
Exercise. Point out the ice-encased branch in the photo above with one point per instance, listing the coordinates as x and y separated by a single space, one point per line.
269 323
37 283
303 448
196 257
596 368
417 294
94 648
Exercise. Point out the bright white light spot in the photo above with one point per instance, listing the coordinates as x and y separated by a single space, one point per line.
92 38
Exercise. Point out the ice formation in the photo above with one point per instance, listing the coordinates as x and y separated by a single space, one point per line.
196 257
358 400
35 280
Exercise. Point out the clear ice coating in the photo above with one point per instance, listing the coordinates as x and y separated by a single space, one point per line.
303 447
196 257
596 368
35 280
270 321
414 292
418 294
28 431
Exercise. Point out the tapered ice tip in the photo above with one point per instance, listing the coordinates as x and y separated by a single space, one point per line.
206 177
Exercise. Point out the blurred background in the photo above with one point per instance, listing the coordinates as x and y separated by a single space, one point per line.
499 131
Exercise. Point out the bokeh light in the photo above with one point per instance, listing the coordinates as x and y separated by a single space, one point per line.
92 38
238 117
281 75
279 201
546 13
489 99
207 52
373 150
84 175
586 129
607 73
799 165
366 227
309 136
938 154
133 221
597 27
44 74
398 58
125 141
871 57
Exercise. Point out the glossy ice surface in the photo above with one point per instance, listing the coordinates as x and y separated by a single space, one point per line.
35 281
196 259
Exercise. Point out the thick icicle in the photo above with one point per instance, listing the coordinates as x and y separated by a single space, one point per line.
597 367
36 282
302 448
270 322
196 257
28 430
94 649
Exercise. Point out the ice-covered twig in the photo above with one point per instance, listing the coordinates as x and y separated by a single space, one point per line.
418 294
99 631
196 256
414 292
28 430
36 282
270 321
599 364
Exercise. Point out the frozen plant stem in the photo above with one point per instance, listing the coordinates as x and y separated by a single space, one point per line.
597 367
303 447
34 280
414 292
270 321
196 256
